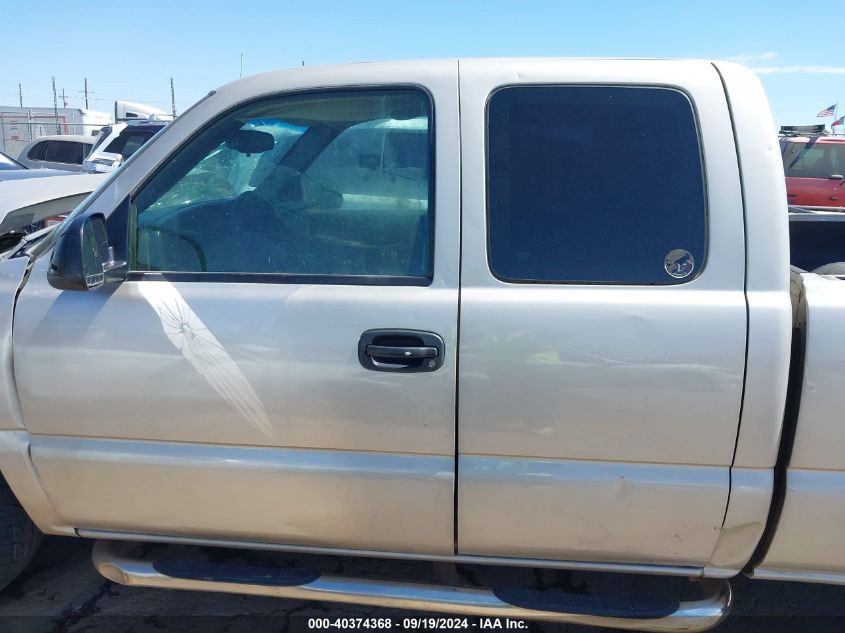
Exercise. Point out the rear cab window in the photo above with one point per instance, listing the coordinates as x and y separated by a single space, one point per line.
594 185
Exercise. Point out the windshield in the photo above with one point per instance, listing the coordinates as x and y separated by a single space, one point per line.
104 134
129 141
813 159
9 163
226 172
383 150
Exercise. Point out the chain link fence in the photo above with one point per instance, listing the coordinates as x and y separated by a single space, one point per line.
19 128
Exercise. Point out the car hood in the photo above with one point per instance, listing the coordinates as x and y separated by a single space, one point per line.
25 174
23 202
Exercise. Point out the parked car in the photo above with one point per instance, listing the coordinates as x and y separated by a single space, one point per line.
815 170
29 205
248 337
61 151
10 169
118 142
7 163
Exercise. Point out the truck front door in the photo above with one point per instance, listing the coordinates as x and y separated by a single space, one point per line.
279 365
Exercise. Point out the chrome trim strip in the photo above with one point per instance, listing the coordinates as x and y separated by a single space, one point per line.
692 615
621 568
798 576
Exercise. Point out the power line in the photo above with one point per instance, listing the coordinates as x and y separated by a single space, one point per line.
86 93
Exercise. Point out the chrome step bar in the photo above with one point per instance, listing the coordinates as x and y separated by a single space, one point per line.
112 561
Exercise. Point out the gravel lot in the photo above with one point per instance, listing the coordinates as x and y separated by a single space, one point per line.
62 592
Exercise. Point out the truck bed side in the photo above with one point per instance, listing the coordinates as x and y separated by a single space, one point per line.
807 543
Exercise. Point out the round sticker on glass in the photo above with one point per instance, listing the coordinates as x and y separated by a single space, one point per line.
679 263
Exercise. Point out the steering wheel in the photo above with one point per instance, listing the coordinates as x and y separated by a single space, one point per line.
200 253
252 211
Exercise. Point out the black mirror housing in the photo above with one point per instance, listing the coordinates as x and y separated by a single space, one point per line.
82 256
251 142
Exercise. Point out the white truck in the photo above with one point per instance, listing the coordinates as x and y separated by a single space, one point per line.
532 313
134 125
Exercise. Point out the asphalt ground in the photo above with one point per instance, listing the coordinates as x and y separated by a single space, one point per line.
61 592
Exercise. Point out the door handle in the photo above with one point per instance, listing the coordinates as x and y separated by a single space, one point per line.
402 351
396 351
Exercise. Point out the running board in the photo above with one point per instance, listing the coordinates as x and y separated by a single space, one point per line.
658 614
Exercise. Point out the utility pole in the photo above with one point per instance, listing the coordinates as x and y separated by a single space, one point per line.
64 99
172 98
242 65
87 93
56 107
20 95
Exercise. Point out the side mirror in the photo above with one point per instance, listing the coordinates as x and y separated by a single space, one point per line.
251 142
82 257
836 177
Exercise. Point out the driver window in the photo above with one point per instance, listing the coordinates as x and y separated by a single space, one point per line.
333 183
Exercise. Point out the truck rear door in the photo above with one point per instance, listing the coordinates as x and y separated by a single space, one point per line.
603 319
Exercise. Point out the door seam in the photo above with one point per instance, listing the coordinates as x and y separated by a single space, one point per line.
458 322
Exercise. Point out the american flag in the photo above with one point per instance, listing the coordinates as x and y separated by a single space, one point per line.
839 121
828 111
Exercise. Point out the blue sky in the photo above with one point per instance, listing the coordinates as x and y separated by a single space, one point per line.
129 50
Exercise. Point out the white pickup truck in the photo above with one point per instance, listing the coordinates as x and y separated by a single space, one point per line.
529 313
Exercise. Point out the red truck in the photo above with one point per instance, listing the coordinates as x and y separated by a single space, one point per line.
814 165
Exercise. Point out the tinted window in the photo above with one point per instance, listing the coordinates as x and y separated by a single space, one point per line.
36 152
335 183
594 185
82 150
63 152
803 159
128 142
